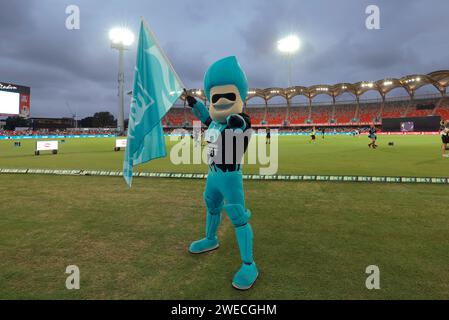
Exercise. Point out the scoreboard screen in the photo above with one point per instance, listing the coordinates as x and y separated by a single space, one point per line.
9 102
408 126
411 124
14 100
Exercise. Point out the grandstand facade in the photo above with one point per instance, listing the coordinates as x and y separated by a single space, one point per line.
351 112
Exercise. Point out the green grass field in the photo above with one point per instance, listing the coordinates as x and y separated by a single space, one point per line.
313 240
342 155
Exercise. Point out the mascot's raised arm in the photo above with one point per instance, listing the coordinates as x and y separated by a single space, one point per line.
228 134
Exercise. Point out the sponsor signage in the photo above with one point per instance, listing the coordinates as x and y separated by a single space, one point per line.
366 179
46 145
120 143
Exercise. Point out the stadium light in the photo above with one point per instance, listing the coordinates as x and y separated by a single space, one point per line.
289 45
121 38
417 79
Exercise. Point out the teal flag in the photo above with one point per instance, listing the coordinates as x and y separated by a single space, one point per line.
156 88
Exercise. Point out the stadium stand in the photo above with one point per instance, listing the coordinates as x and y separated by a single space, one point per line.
395 109
369 112
257 114
276 115
298 115
321 114
73 131
344 112
442 109
421 109
174 118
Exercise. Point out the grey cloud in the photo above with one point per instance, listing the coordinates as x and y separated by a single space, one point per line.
80 67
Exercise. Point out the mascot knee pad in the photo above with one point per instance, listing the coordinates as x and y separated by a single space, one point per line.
213 207
238 215
213 218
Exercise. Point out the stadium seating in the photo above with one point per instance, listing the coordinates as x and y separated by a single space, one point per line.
413 112
368 112
321 114
442 109
174 118
190 117
395 109
69 131
298 115
276 115
256 113
416 109
344 113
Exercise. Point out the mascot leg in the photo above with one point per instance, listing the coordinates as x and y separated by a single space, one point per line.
214 205
247 274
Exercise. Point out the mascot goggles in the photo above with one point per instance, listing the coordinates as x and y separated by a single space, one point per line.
228 96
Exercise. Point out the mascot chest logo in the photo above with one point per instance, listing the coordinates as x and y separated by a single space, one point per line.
212 136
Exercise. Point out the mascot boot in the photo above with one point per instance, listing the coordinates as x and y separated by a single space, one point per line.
247 274
213 220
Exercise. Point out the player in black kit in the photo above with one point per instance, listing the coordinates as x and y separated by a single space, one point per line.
268 138
372 135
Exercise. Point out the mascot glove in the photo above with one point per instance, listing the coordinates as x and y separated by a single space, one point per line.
191 101
236 121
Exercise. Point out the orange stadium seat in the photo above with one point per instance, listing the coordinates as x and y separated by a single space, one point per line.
344 113
321 114
443 109
395 109
256 113
276 115
298 115
368 112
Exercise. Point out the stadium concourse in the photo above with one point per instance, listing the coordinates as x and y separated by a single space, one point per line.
353 111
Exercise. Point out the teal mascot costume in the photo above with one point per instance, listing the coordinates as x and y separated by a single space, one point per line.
226 87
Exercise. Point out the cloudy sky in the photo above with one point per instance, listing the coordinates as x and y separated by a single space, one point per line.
78 67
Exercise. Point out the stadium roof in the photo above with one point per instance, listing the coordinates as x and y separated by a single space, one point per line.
438 79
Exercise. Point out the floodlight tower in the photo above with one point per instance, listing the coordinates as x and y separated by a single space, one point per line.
289 45
121 39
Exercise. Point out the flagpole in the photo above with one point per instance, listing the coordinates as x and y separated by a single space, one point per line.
121 92
146 26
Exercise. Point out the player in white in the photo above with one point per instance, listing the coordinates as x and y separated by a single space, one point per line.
444 131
